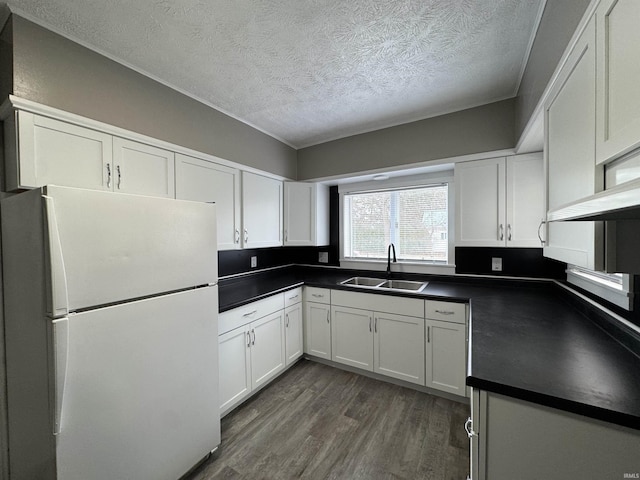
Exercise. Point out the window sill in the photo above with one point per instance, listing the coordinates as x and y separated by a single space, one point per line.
401 267
617 296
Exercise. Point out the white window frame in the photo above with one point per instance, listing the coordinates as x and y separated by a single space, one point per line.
415 181
610 289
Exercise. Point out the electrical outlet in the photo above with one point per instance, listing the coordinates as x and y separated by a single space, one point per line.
254 262
496 264
323 257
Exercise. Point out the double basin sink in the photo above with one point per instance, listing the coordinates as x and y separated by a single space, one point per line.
381 283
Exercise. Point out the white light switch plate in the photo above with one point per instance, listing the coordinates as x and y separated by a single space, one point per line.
323 257
496 264
254 262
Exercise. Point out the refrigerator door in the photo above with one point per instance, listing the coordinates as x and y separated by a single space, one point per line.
137 388
105 247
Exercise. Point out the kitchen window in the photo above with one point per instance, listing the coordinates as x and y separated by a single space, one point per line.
616 288
415 218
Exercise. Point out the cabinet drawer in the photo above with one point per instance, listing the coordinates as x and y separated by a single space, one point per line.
447 311
292 297
318 295
237 317
413 307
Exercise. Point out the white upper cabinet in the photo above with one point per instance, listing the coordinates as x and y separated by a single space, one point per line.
618 70
204 181
570 122
142 169
500 201
261 211
42 151
306 214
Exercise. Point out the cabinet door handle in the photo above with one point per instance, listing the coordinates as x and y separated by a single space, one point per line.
286 323
428 334
108 175
375 325
119 176
248 339
286 235
509 230
250 313
445 312
370 323
253 332
246 236
501 232
542 242
328 317
468 426
237 236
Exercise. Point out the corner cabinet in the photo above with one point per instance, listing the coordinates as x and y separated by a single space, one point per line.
571 171
500 201
262 199
203 181
306 214
42 150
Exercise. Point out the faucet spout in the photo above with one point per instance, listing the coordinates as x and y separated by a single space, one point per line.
391 247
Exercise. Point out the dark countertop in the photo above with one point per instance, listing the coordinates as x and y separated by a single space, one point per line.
527 340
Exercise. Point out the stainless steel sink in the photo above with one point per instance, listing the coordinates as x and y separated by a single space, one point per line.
407 285
381 283
363 281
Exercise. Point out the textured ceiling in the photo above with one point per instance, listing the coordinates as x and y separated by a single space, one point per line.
309 71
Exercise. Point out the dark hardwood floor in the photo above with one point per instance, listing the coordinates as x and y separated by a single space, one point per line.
319 422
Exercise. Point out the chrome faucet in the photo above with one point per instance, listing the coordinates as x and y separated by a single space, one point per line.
391 247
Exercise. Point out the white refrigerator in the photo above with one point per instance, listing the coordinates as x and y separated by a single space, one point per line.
111 306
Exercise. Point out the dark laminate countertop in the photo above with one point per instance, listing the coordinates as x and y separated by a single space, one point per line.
527 340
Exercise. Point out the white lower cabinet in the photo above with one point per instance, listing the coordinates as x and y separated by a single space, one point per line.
513 438
352 337
317 322
251 349
293 333
398 348
446 342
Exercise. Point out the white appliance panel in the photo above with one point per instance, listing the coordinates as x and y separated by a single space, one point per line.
140 387
114 247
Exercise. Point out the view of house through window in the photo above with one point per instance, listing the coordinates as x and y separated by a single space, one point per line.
415 220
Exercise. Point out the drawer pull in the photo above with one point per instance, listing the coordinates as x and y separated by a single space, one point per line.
318 295
445 312
250 313
295 296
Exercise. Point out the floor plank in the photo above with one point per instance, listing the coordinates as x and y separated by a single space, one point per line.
320 422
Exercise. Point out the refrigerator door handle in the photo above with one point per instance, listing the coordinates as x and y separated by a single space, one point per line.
61 357
59 304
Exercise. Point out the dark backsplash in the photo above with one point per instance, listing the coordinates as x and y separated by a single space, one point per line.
231 262
516 262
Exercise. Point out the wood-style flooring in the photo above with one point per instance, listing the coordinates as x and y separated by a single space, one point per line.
319 422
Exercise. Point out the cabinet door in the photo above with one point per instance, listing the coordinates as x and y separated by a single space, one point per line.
261 211
204 181
570 118
525 200
293 333
317 330
446 356
54 152
618 127
142 169
267 348
480 203
234 367
352 337
299 213
399 347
